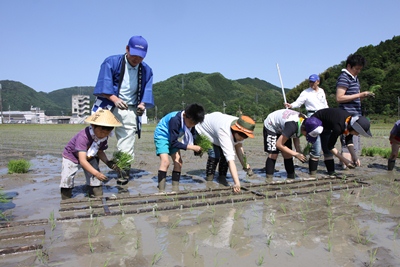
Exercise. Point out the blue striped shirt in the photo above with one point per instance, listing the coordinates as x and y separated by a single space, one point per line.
353 87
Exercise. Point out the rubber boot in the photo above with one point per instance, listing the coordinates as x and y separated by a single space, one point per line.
291 175
222 180
162 177
312 167
210 178
391 163
66 193
269 178
96 191
176 177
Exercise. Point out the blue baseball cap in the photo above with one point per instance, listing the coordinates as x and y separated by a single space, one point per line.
137 46
313 78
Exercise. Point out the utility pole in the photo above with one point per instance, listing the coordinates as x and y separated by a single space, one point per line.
1 106
223 106
183 105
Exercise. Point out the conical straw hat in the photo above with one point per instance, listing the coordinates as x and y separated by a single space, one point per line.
103 117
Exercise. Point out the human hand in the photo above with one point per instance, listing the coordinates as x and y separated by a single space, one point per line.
287 105
368 94
357 162
301 157
139 111
101 176
248 171
112 165
121 104
196 148
236 188
349 164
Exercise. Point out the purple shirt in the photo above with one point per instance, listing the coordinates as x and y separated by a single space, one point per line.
80 142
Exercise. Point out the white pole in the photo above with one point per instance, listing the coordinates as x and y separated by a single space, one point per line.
280 78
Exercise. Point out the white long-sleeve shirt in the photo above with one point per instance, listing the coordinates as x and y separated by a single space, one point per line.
313 100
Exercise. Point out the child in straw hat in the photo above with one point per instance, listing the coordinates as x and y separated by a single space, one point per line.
84 150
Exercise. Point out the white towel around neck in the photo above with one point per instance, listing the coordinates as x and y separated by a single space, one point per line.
94 148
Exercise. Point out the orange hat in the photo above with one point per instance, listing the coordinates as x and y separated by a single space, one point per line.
244 124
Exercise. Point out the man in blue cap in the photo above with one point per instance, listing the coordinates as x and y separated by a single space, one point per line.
125 86
313 99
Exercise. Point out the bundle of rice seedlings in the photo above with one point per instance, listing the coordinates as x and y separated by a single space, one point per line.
122 159
203 142
18 166
307 149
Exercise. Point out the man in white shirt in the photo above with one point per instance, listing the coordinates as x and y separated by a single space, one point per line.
313 99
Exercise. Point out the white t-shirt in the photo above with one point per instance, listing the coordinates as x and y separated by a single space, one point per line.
313 100
276 120
217 127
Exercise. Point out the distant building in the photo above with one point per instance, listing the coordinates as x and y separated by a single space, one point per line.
80 108
35 115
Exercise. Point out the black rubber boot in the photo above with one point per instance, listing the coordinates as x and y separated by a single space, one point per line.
391 163
211 166
269 178
210 178
162 176
222 167
222 180
312 167
291 175
66 193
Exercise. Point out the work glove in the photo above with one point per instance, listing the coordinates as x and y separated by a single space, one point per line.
121 104
139 111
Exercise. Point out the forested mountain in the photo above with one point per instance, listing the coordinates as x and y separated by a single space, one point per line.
252 96
381 74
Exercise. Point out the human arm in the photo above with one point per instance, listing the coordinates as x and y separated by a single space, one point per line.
241 156
88 167
299 101
280 144
345 161
235 176
341 96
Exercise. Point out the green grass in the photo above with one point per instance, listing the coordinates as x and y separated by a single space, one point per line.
376 151
18 166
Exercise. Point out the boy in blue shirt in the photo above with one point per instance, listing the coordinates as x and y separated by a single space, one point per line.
170 128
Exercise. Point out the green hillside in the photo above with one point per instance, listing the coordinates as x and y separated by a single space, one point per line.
253 97
382 73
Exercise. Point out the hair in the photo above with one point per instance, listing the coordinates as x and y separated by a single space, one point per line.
355 60
195 112
107 128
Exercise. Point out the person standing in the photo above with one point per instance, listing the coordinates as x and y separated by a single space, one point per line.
227 133
394 139
349 96
125 86
313 99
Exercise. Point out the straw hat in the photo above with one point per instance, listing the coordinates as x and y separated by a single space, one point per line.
244 124
103 117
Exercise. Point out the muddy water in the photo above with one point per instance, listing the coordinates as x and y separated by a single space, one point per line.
355 227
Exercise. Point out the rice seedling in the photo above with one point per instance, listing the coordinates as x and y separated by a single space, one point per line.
376 151
156 258
372 257
18 166
196 251
52 221
269 240
329 244
306 231
202 141
232 242
283 207
213 230
175 224
395 232
185 238
272 218
292 252
260 260
123 161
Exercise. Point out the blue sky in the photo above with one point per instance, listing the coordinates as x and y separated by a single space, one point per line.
49 45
